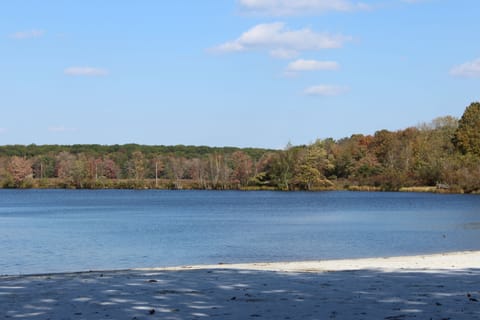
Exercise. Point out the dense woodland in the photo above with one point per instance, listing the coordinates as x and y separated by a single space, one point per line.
443 156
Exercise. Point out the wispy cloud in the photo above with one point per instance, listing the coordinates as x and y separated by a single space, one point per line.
34 33
60 129
296 7
3 130
283 53
325 90
86 71
414 1
470 69
311 65
281 42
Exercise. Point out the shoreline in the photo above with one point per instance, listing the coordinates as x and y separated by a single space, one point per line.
439 286
434 261
403 189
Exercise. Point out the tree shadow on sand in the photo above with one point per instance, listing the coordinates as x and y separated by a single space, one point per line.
243 294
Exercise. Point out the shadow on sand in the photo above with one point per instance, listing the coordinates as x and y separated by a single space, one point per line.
243 294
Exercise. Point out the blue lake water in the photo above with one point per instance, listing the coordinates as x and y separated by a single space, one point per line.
71 230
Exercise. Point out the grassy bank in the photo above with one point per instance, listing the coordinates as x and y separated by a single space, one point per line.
187 184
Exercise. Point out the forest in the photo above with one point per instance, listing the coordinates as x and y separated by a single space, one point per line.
440 156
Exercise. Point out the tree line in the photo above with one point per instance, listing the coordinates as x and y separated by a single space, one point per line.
443 155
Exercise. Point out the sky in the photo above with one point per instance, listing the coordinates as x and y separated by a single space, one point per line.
245 73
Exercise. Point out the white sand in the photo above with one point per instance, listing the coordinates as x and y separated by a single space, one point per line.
453 260
445 286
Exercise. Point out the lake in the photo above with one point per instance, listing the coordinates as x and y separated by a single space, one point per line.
72 230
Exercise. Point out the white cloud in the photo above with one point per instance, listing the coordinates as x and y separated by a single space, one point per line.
20 35
59 129
469 69
311 65
3 130
294 7
280 41
325 90
85 71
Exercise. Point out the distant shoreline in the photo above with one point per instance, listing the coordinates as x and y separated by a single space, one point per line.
129 185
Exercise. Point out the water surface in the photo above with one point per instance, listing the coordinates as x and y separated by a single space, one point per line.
70 230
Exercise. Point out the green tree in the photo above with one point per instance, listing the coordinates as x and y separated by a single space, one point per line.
43 166
434 151
283 166
467 136
311 165
79 171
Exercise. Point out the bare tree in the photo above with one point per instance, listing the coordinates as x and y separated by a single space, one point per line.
177 168
242 168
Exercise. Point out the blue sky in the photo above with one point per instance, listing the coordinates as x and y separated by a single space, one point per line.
257 73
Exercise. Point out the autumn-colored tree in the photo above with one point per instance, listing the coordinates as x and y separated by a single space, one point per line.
19 170
352 157
395 154
65 162
383 147
71 169
136 166
157 166
176 169
197 170
110 169
3 167
94 168
262 175
443 152
218 171
102 168
242 168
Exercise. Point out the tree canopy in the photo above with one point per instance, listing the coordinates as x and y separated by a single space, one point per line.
467 136
443 155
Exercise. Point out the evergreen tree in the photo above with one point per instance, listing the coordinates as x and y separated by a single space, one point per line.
467 136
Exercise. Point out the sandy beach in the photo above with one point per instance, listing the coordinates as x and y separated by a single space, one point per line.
441 286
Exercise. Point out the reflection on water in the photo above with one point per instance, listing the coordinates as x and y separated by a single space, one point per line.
66 230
